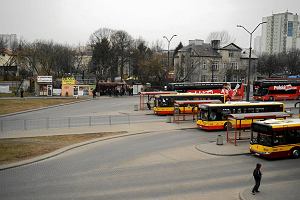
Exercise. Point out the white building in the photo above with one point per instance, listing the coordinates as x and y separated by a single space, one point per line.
257 45
281 33
9 39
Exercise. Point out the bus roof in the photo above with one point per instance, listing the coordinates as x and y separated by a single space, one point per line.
241 103
279 123
158 92
267 83
196 102
263 115
187 94
204 83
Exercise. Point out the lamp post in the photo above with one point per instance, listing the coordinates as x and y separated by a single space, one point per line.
169 41
250 49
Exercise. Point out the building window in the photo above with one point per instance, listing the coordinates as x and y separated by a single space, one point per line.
290 29
231 54
235 78
215 78
204 65
215 66
224 65
203 78
234 65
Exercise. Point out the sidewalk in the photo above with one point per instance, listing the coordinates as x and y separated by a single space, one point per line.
287 190
227 149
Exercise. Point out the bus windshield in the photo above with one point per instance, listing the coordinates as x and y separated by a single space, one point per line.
260 92
262 139
164 102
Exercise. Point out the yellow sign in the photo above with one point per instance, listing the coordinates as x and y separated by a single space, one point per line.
68 81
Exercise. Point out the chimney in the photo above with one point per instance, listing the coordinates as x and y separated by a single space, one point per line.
215 44
196 42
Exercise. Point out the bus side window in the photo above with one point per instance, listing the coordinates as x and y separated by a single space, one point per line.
224 113
293 136
259 110
279 138
212 116
250 110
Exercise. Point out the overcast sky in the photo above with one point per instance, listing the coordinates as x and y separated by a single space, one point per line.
73 21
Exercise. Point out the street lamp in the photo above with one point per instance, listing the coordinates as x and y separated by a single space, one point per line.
248 75
169 41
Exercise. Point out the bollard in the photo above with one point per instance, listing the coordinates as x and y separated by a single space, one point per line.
220 140
136 107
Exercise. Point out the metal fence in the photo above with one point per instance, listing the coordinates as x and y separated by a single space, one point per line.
70 122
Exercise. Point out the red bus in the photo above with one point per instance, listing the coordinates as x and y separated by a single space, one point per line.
233 90
272 90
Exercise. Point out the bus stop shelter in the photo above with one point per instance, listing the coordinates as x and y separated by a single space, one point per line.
149 96
238 118
193 110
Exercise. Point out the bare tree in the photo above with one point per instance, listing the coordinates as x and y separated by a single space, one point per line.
268 64
157 46
3 44
121 43
293 61
223 36
99 34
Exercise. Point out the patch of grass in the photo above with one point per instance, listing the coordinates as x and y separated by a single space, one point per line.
17 149
16 105
7 95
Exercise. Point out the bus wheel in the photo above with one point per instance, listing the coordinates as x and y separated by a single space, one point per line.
295 153
271 98
227 125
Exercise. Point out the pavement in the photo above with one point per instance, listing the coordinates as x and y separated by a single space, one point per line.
288 190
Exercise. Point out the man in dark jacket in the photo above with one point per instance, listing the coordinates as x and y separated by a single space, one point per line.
257 177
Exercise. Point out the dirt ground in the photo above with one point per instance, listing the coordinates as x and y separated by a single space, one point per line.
17 105
17 149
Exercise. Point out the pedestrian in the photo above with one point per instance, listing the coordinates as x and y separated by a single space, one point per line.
94 93
257 177
22 92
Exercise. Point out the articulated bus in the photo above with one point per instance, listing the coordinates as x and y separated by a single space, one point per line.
272 90
276 138
233 90
214 116
164 104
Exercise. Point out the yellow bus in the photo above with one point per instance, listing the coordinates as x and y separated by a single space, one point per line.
276 138
214 116
164 103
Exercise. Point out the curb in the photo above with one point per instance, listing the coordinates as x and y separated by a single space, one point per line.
42 108
241 196
65 149
219 154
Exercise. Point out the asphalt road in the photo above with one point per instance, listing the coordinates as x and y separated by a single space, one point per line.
152 166
103 110
100 106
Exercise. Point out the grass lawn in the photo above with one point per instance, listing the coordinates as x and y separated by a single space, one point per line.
16 105
17 149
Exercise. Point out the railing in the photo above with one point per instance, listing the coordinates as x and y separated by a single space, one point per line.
70 122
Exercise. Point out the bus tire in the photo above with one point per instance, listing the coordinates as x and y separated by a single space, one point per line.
295 153
271 98
227 125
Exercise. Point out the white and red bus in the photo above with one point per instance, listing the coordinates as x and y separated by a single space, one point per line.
271 90
233 90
